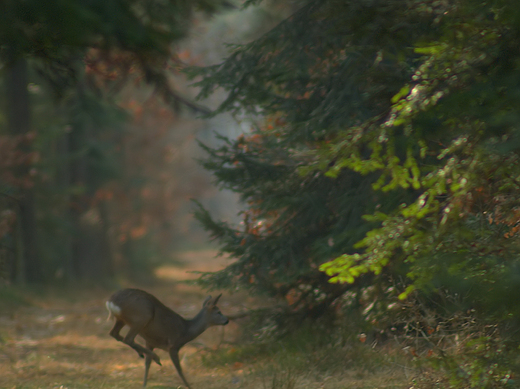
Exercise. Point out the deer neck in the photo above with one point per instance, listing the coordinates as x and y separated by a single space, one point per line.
197 325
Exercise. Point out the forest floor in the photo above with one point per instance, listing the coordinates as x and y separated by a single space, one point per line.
59 339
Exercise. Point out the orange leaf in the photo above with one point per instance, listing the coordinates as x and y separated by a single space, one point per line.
184 55
137 232
291 297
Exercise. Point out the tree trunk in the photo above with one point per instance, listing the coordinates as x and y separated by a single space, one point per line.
18 114
79 204
63 181
92 260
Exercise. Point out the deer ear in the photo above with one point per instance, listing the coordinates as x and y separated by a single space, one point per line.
216 299
206 301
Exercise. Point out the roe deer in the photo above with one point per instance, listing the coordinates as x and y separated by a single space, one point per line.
158 325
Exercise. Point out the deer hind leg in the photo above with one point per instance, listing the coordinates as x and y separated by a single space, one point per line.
114 333
129 340
147 363
174 355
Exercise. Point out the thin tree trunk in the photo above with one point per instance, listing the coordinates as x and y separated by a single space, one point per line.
107 251
91 251
81 245
20 276
63 177
18 114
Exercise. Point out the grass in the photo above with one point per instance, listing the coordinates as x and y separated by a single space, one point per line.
59 339
11 298
307 359
73 350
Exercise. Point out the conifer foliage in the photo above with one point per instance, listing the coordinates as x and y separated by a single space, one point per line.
387 129
333 65
392 138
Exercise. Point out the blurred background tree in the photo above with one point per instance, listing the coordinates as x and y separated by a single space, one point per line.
66 68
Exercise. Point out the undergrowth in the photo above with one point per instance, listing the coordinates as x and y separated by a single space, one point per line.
311 354
11 298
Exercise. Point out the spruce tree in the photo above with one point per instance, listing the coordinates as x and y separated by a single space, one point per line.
362 108
396 121
332 65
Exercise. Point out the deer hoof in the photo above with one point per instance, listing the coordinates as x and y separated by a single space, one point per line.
156 359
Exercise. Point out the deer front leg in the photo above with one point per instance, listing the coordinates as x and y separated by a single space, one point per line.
174 355
147 363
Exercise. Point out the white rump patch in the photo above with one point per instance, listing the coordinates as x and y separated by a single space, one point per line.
113 309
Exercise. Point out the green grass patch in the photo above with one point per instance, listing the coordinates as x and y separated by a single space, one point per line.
308 356
11 298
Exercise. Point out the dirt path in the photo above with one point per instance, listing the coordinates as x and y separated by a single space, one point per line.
61 340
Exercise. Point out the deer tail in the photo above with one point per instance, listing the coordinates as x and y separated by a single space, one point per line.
109 310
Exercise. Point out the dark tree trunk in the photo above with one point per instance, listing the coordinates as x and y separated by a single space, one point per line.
92 260
63 180
106 248
18 114
85 251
